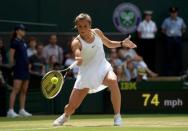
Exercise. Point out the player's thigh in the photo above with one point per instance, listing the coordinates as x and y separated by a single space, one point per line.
110 79
111 82
77 97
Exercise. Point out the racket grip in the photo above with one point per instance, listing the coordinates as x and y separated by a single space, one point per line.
73 64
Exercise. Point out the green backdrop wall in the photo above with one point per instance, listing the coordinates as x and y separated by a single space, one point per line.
62 12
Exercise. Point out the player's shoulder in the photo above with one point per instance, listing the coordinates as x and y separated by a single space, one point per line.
98 31
76 41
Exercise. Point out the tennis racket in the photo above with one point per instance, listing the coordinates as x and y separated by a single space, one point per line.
51 90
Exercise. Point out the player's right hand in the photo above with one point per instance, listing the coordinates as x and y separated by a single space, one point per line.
79 59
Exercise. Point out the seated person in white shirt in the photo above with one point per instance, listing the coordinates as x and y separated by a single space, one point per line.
138 60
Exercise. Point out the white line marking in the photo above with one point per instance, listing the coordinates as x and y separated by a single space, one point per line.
29 129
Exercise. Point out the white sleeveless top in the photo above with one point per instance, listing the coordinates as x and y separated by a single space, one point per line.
94 67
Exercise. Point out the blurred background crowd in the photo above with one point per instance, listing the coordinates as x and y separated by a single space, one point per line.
129 64
36 36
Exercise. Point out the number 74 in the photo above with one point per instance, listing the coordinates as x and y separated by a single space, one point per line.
153 100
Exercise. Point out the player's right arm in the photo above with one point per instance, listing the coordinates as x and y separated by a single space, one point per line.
76 49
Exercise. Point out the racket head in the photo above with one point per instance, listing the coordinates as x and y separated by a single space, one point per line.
49 89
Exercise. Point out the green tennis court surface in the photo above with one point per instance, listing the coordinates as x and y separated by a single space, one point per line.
98 123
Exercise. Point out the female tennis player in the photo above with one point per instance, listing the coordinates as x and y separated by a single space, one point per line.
94 69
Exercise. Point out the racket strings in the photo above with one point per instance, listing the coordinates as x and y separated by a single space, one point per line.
49 89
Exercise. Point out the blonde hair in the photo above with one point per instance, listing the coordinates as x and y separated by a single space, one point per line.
82 16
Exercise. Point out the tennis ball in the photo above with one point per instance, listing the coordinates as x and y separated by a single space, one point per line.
54 80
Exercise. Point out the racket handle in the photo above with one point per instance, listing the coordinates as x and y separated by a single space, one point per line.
73 64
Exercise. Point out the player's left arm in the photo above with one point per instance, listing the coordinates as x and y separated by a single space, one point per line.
114 44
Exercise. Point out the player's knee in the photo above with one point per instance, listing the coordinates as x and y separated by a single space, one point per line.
113 83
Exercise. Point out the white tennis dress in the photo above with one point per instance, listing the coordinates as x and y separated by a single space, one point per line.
94 67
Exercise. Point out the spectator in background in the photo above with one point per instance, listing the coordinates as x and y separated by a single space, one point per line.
19 59
131 71
53 50
56 66
70 59
173 27
67 47
114 58
141 73
3 60
116 63
123 65
52 61
32 46
131 55
3 53
146 33
120 72
37 61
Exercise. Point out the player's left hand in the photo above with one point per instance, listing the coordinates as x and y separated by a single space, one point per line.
128 43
